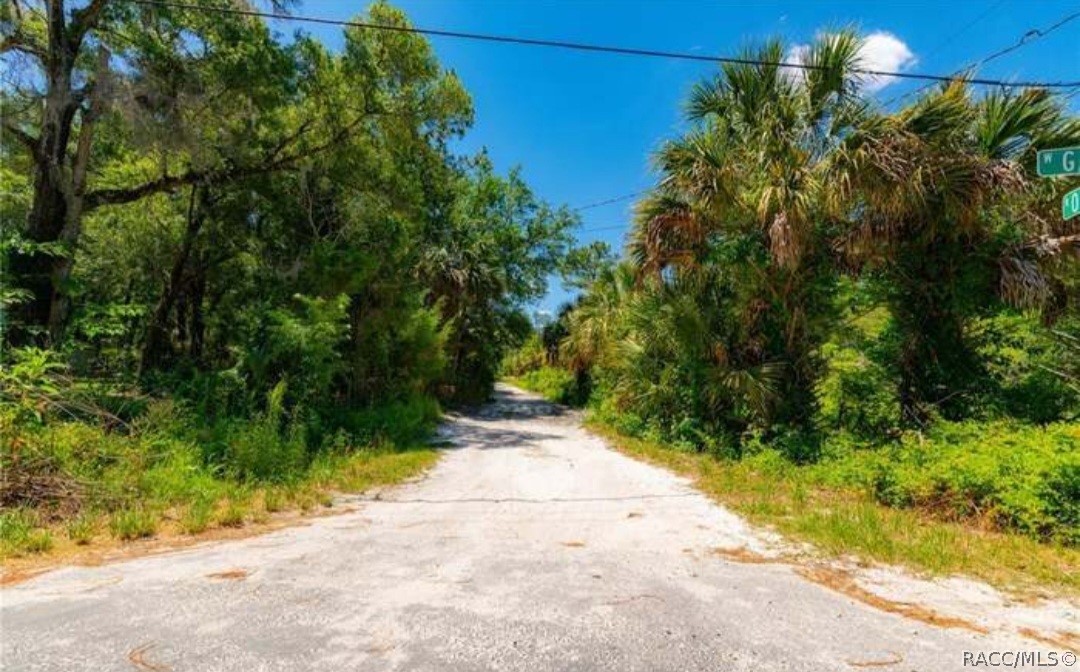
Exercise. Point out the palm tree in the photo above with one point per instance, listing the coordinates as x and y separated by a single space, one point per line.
942 208
747 188
595 325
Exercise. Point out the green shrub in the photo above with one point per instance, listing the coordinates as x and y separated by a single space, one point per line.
1020 477
1060 490
20 533
529 357
554 384
401 422
1024 362
856 394
301 342
262 449
197 516
30 383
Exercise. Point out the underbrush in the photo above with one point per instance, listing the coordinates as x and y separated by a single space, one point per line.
997 475
839 506
81 482
1002 475
554 384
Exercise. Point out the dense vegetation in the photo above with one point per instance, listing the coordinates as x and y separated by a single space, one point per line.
241 270
890 297
234 259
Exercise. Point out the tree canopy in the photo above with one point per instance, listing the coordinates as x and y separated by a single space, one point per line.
793 206
203 199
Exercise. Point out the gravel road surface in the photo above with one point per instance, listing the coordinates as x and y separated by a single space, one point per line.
530 546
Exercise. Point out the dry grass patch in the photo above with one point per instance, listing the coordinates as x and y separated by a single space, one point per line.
230 575
842 582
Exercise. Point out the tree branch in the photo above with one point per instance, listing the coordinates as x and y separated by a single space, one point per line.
270 163
19 42
83 20
29 141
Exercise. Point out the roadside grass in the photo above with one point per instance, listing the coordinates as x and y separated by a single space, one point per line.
76 486
201 504
555 384
134 523
845 521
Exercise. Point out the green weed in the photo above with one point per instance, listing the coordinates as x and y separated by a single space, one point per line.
233 514
197 517
21 535
82 528
134 523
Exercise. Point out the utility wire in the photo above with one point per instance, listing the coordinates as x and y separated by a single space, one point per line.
609 201
605 228
581 46
1026 39
968 26
1031 36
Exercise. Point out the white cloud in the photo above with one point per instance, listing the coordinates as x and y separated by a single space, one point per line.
880 51
884 51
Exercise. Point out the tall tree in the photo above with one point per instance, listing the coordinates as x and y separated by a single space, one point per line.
751 179
945 213
163 72
490 254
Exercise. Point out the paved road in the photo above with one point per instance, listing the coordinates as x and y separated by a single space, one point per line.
531 546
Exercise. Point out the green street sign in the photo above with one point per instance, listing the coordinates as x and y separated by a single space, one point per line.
1070 204
1057 162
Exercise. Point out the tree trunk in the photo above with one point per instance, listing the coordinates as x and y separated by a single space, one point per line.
49 210
59 178
156 345
197 328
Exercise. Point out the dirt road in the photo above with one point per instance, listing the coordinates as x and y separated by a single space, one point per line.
531 546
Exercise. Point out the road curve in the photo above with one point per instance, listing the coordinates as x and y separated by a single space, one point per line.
530 546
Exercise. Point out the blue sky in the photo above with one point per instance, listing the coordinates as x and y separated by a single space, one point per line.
582 126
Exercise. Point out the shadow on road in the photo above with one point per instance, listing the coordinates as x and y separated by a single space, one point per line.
506 404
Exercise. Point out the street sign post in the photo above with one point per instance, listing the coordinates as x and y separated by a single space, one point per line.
1058 162
1070 204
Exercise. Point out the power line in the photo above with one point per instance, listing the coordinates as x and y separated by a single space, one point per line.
989 10
1025 39
580 46
604 228
611 200
1031 36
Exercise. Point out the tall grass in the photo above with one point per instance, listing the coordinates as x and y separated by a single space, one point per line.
83 482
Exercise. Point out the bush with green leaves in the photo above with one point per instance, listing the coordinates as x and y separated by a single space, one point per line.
1015 476
857 391
553 383
301 344
529 356
269 447
1026 366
